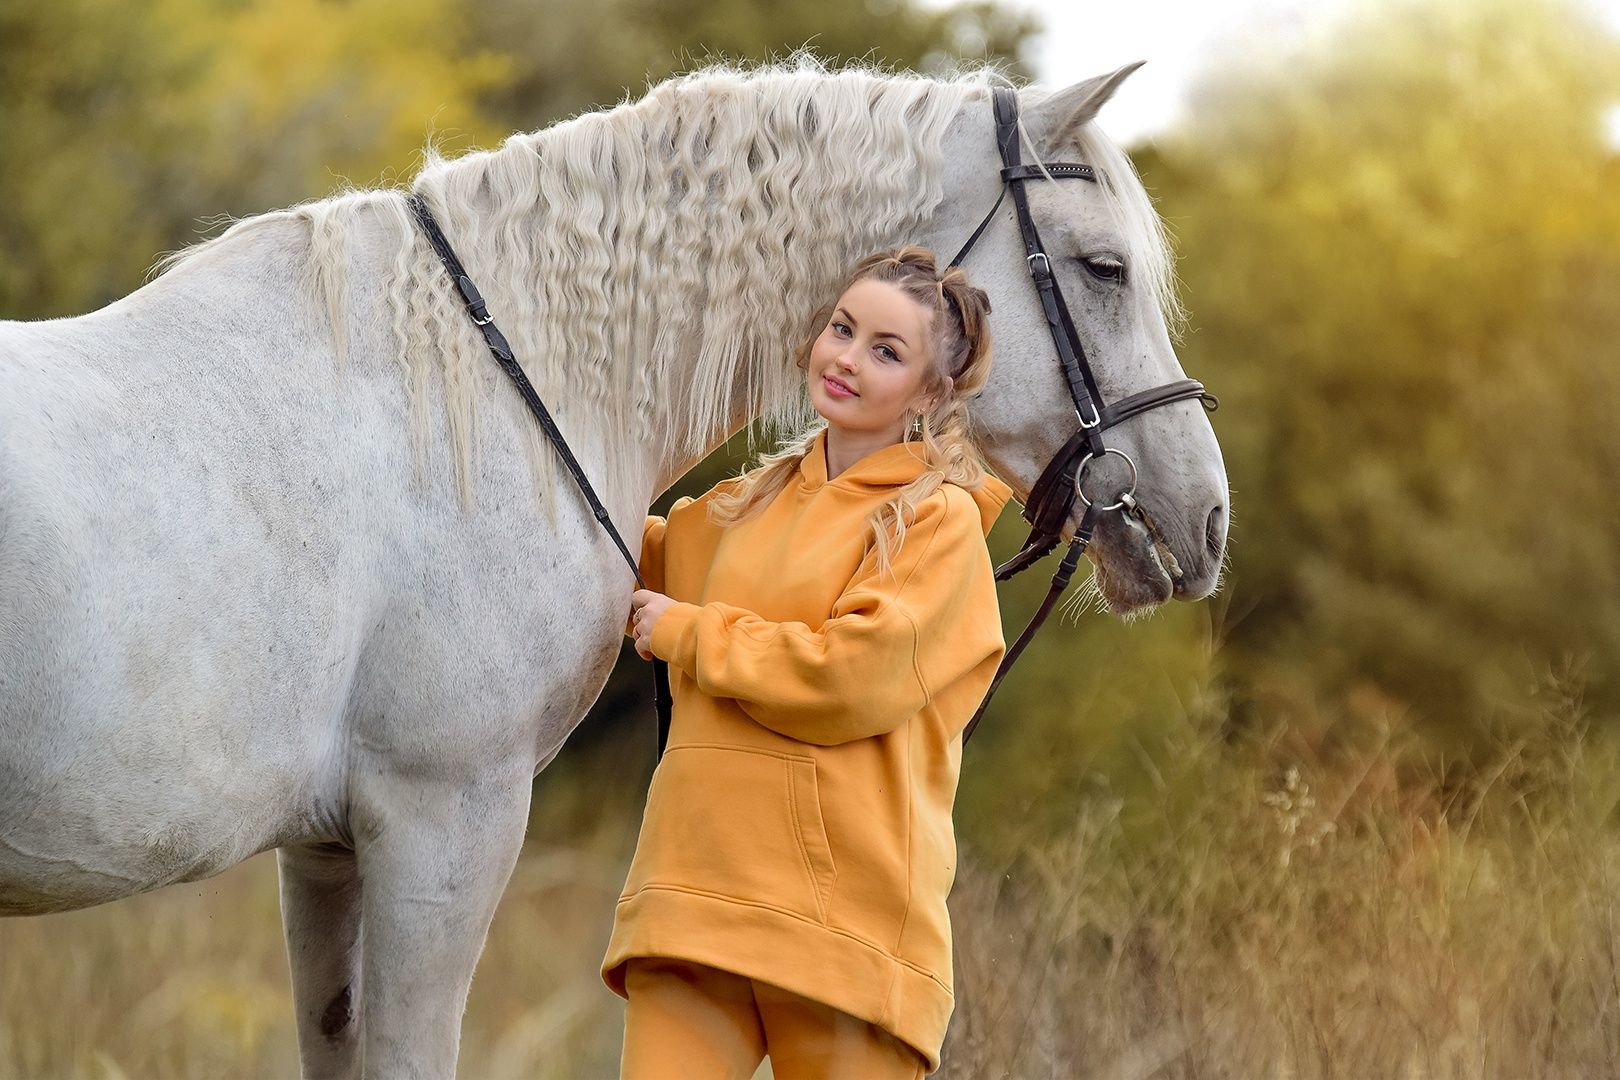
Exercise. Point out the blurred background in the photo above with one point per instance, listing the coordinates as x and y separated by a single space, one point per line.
1353 816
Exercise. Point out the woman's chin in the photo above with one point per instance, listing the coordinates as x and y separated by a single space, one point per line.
831 410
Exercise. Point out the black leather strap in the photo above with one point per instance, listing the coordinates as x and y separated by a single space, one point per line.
1057 169
1071 354
1060 582
1180 390
478 311
983 224
1051 499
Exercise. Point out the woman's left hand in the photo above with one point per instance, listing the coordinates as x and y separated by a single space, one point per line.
645 607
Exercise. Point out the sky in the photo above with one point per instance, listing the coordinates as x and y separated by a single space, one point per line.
1091 37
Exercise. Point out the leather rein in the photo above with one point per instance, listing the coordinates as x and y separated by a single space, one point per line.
1050 501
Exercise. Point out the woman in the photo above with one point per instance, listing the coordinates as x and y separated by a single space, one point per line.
830 623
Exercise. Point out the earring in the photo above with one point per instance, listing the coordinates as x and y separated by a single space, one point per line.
916 424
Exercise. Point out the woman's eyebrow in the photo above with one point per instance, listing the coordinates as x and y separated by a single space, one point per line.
881 333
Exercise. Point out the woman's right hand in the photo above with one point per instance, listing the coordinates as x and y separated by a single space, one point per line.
645 607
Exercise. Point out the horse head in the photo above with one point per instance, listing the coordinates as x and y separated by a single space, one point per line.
1109 256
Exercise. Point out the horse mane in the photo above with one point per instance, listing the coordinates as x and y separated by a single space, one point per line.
715 212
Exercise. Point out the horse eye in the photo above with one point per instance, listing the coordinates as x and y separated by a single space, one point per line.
1105 267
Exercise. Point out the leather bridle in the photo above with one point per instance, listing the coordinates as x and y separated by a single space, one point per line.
1050 501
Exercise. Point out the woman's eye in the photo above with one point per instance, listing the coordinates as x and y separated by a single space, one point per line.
1108 267
888 352
840 327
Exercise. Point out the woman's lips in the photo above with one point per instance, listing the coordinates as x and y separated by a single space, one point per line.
836 389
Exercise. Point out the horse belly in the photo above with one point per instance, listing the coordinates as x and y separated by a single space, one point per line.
167 703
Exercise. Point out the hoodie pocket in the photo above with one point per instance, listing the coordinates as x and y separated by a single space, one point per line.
739 822
812 832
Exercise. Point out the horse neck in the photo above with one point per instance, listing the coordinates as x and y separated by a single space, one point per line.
681 309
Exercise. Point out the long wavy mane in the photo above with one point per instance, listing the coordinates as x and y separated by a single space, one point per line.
713 214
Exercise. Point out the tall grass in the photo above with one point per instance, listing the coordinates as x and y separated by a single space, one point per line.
1261 913
1267 917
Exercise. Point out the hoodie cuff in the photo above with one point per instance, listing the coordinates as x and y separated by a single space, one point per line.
674 635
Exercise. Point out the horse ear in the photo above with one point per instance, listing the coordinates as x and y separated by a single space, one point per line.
1055 120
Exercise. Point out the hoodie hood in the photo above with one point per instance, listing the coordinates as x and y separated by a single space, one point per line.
991 496
894 466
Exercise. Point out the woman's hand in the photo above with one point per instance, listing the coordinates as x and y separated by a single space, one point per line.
645 607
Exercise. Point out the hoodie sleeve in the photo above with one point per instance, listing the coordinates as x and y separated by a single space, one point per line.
890 646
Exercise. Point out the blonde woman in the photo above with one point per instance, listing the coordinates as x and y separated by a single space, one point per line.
830 622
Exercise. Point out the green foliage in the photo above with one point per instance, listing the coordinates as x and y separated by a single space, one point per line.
1400 243
567 64
156 115
1404 247
128 125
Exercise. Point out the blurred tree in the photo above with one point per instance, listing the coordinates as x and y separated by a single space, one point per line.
1402 238
1400 243
82 125
125 122
567 64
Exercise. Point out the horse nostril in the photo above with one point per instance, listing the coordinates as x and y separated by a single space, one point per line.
1213 530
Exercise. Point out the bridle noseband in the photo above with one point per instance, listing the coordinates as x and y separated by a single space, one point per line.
1051 500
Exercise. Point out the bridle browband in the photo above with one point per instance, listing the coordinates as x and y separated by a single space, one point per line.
1050 502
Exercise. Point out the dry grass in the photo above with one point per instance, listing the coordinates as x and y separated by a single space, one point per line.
1255 917
1259 921
191 981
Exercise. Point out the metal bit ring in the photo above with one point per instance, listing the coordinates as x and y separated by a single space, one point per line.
1127 498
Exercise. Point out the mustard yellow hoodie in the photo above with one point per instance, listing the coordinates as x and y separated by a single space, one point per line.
798 827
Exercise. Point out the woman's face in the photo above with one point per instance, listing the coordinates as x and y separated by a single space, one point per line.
876 343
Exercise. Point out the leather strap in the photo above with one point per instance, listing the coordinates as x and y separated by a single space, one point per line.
478 311
1141 402
1051 499
1056 170
1060 582
1071 354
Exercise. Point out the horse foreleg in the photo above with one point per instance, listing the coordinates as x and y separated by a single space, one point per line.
320 912
435 862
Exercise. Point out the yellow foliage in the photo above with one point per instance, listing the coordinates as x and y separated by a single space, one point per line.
159 115
361 81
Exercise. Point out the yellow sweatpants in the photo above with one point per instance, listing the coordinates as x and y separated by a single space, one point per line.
687 1021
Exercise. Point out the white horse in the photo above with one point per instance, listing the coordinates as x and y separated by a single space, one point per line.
284 562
